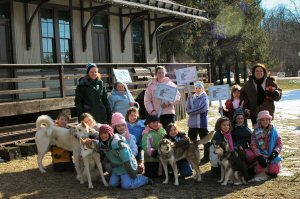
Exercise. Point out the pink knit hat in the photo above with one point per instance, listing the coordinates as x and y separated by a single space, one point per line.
118 118
263 114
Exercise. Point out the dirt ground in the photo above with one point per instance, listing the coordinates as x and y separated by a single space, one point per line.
22 179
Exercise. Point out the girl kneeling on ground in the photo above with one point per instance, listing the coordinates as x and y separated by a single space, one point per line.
124 165
266 143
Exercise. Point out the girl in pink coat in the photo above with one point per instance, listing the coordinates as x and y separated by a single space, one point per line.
153 104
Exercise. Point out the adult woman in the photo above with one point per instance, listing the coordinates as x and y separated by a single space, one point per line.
91 96
260 91
153 104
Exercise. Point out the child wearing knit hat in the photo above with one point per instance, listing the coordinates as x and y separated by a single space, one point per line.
120 156
266 143
152 135
198 116
119 125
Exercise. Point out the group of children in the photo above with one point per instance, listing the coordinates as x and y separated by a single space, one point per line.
131 145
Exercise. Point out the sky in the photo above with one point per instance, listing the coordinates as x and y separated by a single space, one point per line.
269 4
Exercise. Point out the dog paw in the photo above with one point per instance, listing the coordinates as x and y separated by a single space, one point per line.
176 184
81 182
42 170
91 187
166 182
220 181
224 184
105 184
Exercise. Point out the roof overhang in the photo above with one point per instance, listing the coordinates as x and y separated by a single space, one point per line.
160 7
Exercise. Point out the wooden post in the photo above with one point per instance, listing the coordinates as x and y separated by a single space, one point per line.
62 81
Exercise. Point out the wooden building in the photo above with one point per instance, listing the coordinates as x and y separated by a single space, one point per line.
45 44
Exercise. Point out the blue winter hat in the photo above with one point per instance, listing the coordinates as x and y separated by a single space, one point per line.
237 112
89 66
198 84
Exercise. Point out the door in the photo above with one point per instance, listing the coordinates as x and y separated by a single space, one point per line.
100 46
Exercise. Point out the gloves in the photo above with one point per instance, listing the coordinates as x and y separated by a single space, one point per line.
154 153
262 161
273 155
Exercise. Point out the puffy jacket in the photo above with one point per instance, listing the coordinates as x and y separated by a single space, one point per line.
198 115
152 103
120 101
137 130
91 97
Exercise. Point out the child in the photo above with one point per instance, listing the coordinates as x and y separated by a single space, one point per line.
241 134
222 128
119 125
124 165
61 158
235 102
178 138
152 135
120 99
89 120
136 128
198 117
266 144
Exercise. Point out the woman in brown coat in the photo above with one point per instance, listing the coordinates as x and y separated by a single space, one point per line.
260 91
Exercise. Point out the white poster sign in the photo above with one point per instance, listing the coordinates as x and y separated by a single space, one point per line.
280 74
220 92
166 92
122 75
186 75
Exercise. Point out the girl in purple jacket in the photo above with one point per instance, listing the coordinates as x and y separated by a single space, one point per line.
198 116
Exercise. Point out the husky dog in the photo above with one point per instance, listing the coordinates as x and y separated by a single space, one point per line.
232 166
91 159
169 153
48 134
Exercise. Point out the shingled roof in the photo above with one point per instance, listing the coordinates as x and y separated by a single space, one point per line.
160 6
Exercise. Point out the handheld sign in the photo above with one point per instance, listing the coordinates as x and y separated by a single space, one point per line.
185 76
280 74
122 75
165 93
221 92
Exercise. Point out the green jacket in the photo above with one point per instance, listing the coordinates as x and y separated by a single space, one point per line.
121 156
91 97
150 143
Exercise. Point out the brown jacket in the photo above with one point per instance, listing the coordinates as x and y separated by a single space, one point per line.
249 93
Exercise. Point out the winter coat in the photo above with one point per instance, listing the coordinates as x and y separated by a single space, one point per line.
230 109
264 142
198 115
150 143
152 103
219 138
241 136
249 92
91 97
120 101
120 156
137 130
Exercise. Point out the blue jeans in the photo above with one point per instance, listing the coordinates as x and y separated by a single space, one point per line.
127 182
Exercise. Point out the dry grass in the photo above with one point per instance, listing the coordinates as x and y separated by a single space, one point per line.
22 179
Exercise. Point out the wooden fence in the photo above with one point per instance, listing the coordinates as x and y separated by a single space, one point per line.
35 89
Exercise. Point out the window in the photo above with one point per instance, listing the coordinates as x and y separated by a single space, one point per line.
138 42
56 36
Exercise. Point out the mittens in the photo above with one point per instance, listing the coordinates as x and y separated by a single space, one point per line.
262 161
273 155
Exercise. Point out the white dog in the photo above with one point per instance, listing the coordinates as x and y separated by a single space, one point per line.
48 134
91 159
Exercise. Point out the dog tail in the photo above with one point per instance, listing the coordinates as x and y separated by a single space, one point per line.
45 122
206 138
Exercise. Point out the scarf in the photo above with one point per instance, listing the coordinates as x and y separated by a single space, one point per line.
260 91
228 139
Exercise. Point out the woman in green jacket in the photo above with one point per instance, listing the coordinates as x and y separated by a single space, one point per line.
91 96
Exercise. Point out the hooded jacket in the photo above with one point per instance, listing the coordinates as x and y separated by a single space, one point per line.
153 103
120 101
91 97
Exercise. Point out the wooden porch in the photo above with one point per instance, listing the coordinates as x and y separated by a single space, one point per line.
35 89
